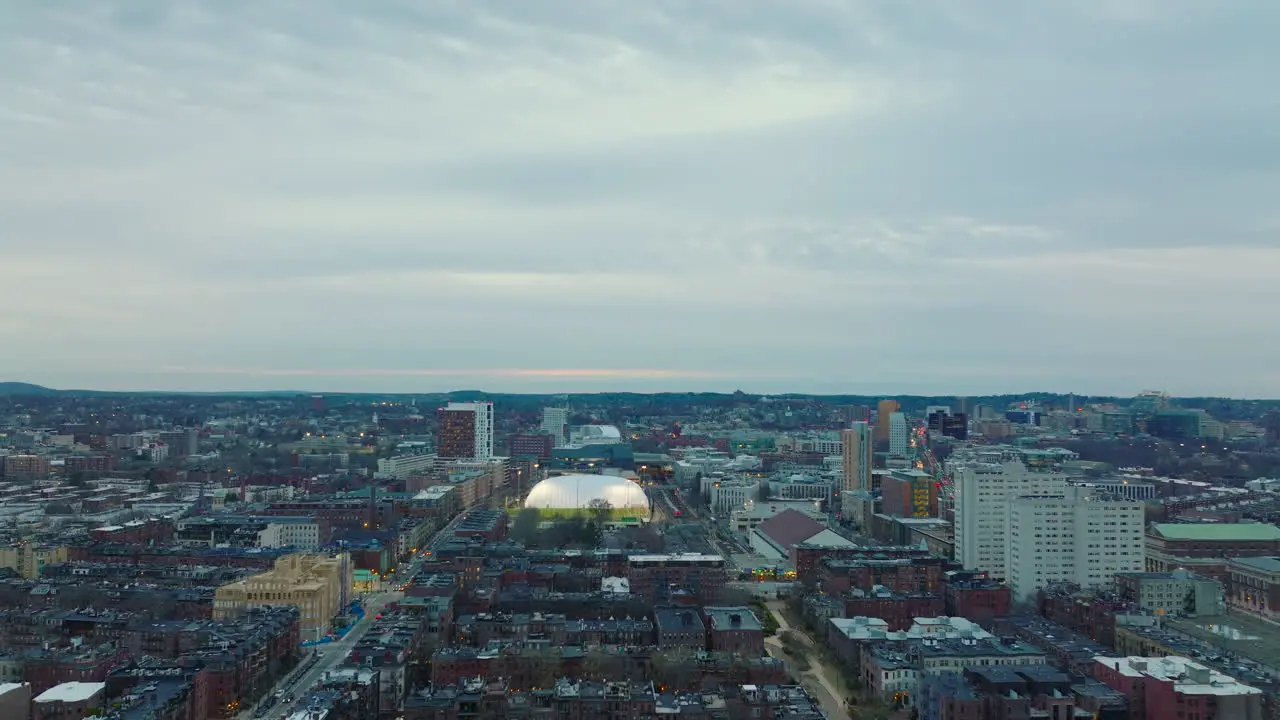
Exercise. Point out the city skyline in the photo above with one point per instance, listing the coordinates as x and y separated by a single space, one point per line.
806 197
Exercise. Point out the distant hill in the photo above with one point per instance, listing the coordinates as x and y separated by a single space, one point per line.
21 388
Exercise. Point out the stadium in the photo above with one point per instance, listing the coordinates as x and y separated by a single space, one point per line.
566 496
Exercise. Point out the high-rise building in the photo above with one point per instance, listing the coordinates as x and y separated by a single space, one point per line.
983 493
884 409
857 456
899 434
555 422
465 431
1072 536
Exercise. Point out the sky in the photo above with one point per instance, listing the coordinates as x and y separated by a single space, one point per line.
969 197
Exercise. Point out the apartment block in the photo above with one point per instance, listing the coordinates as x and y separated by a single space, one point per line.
403 466
1073 537
984 492
465 431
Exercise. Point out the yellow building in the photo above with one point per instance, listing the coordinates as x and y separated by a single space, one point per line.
29 560
315 584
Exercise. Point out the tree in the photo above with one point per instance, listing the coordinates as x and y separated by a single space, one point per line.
601 511
527 523
604 666
672 668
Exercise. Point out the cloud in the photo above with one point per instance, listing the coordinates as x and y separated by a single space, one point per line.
801 195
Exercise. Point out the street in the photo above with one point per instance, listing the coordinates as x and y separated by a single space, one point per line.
331 655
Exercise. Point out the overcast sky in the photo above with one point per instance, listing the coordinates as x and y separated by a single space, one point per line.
965 197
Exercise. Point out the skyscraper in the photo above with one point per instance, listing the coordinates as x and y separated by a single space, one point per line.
857 456
884 409
555 422
899 434
465 431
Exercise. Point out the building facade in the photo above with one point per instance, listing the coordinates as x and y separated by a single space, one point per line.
317 585
857 446
899 434
1073 537
983 495
465 431
555 422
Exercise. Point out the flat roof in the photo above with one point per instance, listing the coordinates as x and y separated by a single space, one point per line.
1181 671
71 692
1265 564
1217 531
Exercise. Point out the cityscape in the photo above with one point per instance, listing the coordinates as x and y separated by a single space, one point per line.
437 557
633 360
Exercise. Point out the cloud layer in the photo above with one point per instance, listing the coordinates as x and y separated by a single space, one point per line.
807 195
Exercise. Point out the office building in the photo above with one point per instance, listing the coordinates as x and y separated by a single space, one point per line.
884 409
983 494
899 434
1072 536
465 431
857 456
555 422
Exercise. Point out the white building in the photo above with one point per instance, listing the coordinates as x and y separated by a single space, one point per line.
1129 490
857 456
300 535
983 493
402 466
1072 536
555 422
799 486
483 414
899 434
726 496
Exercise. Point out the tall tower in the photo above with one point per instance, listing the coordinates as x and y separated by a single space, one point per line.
883 410
857 456
465 431
899 434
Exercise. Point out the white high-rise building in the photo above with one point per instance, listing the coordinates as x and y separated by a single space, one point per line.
983 493
857 455
1074 536
555 422
899 434
463 433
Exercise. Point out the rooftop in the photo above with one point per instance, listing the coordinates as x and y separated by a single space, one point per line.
1188 676
1217 531
1264 564
71 692
732 618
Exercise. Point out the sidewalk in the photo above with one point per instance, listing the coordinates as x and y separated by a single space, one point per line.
826 676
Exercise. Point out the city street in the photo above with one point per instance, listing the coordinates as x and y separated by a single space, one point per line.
332 654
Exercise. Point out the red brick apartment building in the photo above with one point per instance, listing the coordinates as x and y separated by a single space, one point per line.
1173 688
